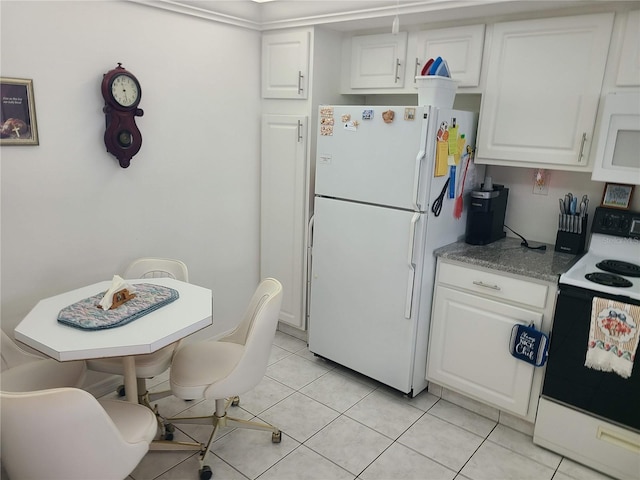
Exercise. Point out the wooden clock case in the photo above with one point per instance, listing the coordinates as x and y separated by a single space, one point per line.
122 136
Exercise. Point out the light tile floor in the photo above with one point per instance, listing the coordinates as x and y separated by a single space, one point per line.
339 425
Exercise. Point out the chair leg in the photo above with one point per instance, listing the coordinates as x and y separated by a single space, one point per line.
276 434
221 419
145 398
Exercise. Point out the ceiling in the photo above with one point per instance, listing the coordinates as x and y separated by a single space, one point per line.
351 15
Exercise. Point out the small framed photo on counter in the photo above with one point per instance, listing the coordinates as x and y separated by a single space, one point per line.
17 112
617 195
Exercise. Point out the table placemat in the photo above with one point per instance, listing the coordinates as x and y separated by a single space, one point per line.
86 315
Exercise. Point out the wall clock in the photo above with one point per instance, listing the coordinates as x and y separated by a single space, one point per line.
121 92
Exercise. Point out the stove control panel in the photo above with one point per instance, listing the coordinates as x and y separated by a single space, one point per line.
621 223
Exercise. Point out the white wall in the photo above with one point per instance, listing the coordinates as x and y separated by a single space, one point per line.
70 215
536 216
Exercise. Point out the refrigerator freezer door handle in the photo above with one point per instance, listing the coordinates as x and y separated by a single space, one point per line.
412 266
416 179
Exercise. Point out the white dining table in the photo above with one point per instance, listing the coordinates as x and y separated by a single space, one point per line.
191 312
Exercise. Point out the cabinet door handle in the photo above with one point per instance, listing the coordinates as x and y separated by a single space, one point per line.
415 70
300 77
486 285
395 80
299 131
584 140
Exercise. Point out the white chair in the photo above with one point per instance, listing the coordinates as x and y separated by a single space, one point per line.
66 434
23 371
229 367
153 364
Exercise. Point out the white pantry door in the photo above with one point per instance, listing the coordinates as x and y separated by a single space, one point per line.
283 210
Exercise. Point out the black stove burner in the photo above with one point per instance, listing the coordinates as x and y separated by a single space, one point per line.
608 279
621 268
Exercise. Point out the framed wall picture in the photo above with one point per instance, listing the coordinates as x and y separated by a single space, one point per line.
617 195
17 112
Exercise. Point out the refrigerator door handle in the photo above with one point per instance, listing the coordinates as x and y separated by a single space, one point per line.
416 179
412 266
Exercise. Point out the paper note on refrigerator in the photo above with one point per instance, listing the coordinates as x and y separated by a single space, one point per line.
442 156
453 140
461 143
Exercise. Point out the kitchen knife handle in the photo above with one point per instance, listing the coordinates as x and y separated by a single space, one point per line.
412 266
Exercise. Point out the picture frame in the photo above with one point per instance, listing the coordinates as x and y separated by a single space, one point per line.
18 124
617 195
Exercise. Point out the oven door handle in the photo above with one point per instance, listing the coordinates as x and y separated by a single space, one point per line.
587 295
574 292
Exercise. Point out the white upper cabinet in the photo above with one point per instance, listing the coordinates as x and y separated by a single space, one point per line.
461 47
629 67
543 85
378 61
285 64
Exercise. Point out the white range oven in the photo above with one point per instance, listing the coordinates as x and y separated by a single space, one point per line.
589 414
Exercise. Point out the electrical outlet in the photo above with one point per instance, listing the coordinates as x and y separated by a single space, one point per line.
541 182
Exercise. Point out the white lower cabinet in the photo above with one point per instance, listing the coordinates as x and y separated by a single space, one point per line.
474 311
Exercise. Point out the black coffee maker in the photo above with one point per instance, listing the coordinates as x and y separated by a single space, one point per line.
487 208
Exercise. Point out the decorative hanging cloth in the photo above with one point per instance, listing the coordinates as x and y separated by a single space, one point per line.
613 336
86 315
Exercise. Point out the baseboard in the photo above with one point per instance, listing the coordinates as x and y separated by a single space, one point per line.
482 409
103 386
294 332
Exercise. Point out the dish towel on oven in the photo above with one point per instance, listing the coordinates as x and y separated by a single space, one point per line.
613 336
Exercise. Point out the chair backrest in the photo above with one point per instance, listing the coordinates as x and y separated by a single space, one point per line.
12 355
256 332
63 433
22 371
150 267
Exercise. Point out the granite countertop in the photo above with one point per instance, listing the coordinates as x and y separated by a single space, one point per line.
507 255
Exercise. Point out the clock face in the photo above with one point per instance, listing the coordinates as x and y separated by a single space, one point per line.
124 90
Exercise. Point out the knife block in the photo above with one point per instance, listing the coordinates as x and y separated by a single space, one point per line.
570 242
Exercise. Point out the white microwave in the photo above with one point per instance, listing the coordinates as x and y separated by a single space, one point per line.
617 153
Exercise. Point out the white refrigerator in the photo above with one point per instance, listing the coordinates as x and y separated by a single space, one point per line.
378 174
